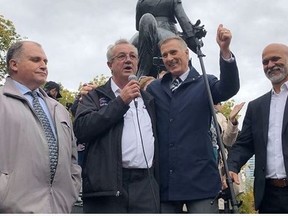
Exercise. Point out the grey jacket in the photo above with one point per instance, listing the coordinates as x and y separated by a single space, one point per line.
24 159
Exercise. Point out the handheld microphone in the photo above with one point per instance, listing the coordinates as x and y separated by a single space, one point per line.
133 77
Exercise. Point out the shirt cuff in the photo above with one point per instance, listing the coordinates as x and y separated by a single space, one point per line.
229 60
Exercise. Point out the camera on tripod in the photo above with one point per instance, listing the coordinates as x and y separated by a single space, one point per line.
198 30
158 61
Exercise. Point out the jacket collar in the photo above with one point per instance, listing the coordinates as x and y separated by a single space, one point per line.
265 115
193 75
167 79
107 91
11 90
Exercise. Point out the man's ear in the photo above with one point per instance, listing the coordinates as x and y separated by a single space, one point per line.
110 66
13 65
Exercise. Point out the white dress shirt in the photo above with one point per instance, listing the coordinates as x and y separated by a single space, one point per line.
132 136
275 160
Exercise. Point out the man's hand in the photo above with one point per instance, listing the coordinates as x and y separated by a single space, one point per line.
234 113
130 91
234 177
85 89
223 39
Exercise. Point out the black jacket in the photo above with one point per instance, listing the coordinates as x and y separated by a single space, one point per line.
99 123
253 141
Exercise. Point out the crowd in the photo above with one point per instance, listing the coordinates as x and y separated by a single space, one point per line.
147 146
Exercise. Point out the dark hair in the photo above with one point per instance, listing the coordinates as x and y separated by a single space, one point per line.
15 50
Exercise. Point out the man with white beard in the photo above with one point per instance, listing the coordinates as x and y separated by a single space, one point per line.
265 134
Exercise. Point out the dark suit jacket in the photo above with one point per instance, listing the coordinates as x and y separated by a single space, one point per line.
253 140
187 167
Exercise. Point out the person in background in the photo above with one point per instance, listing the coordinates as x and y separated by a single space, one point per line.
229 132
83 91
117 122
38 157
264 134
188 172
228 127
86 87
144 81
53 90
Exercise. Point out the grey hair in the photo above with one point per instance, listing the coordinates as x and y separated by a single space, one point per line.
111 47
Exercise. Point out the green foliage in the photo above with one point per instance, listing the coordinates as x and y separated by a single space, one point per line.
247 199
227 108
100 80
8 36
68 97
97 81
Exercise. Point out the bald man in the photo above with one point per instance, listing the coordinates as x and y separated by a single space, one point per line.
265 135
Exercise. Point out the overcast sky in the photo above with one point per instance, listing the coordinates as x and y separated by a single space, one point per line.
75 34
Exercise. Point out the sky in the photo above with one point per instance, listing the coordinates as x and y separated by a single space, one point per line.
75 35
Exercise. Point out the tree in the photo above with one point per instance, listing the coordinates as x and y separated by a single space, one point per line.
227 107
247 198
67 98
97 81
8 36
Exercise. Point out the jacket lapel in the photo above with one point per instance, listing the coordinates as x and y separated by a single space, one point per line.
285 137
285 118
148 103
265 115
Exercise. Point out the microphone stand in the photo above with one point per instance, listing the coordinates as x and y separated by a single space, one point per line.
235 205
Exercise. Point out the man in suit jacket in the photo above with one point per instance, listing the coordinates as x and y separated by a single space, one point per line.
188 170
265 134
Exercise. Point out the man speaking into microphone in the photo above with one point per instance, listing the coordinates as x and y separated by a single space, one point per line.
120 165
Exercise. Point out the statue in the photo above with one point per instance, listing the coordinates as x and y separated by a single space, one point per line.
155 21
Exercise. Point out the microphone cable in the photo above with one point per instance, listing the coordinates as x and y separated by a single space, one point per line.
146 161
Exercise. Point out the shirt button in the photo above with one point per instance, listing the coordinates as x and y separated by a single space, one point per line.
171 144
171 171
171 119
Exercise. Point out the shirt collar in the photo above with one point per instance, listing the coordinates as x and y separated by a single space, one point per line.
184 75
284 87
23 89
115 88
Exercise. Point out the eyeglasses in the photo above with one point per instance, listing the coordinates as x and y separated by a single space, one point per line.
124 56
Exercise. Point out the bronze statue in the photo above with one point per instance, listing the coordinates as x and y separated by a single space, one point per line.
155 21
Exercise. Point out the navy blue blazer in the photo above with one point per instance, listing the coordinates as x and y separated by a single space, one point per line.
253 140
187 167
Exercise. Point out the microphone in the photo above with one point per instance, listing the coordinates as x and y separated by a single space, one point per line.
133 77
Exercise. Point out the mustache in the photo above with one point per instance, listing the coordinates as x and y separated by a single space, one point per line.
270 70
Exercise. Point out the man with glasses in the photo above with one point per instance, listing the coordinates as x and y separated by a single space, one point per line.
120 164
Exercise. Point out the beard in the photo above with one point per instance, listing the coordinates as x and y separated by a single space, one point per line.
277 74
